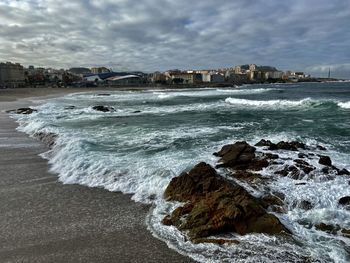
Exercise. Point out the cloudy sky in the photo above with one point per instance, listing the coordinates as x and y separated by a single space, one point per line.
149 35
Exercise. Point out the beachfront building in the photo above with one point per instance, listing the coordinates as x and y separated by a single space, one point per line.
11 75
99 70
178 77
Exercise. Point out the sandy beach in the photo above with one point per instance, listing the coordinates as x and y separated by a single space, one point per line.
43 220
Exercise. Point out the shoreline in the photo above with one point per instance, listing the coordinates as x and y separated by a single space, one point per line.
44 220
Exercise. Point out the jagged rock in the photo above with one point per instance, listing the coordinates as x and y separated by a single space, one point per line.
328 228
290 171
200 180
305 205
271 156
290 146
274 203
48 138
240 156
345 201
136 111
215 205
264 143
103 108
305 166
320 147
333 229
325 160
343 172
302 155
25 111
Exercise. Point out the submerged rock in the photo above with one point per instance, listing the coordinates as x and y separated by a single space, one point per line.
215 205
103 108
23 111
48 138
69 107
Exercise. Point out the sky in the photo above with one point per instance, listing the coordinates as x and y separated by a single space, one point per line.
150 35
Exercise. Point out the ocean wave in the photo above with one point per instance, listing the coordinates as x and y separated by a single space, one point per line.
344 105
239 91
278 104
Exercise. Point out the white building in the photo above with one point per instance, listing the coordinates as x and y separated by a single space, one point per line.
11 75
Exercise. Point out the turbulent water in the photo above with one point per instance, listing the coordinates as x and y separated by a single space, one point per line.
152 136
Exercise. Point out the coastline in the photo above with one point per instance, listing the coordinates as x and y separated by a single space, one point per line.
44 220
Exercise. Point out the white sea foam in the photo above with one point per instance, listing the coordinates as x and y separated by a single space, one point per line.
344 105
277 104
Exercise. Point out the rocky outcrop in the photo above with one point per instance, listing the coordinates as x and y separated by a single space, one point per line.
215 205
325 160
48 138
103 108
282 145
240 156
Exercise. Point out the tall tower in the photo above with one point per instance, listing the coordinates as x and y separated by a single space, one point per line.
329 73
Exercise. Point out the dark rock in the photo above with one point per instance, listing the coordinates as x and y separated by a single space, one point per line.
302 155
289 146
23 111
200 180
104 94
332 229
136 111
48 138
344 200
240 156
290 171
167 221
264 143
103 108
272 200
305 205
325 170
271 156
305 166
215 205
343 172
300 184
320 147
69 108
325 160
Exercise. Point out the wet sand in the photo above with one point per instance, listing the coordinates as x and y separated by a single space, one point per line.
42 220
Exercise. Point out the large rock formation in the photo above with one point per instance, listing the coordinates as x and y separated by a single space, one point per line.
215 205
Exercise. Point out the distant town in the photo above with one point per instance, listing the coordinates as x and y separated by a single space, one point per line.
14 75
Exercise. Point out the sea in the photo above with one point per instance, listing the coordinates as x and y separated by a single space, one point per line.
154 135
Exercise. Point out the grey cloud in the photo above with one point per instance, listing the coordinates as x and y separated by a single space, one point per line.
162 34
